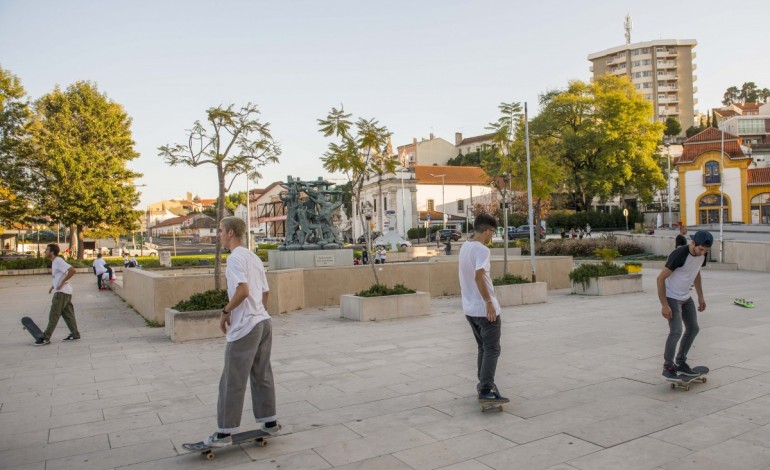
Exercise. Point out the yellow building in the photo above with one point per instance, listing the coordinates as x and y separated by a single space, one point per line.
702 178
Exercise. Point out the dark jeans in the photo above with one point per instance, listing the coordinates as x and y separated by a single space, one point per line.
487 336
683 311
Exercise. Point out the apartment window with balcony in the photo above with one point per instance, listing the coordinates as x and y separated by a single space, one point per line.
636 63
646 62
460 206
636 74
751 126
636 52
647 85
711 173
646 50
431 205
647 73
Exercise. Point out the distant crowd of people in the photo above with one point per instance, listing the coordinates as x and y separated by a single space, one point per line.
579 233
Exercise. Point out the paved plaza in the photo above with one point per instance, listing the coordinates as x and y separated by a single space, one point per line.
583 375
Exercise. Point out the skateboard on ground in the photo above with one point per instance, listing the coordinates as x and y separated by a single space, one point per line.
33 329
744 303
487 405
685 381
257 435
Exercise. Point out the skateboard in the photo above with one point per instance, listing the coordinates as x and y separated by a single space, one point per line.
487 405
685 381
258 436
744 303
33 329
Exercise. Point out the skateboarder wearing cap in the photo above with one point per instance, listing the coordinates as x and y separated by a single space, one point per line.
61 304
682 271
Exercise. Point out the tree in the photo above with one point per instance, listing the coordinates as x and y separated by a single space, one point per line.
14 118
602 135
237 143
673 128
732 95
361 153
79 145
764 94
749 92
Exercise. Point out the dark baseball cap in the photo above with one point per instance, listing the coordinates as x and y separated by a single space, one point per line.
702 237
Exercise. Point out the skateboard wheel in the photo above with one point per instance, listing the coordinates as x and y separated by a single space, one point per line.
705 380
262 443
500 408
673 386
209 455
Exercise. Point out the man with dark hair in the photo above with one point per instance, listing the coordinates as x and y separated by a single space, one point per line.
248 329
61 305
480 305
681 240
682 271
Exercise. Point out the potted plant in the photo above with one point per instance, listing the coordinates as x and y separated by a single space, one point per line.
511 289
606 278
381 302
197 317
633 267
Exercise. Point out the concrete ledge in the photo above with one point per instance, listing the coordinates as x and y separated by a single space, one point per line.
522 294
610 285
386 307
189 326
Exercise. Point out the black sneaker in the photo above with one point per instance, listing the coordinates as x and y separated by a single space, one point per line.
683 369
493 395
42 342
71 338
669 372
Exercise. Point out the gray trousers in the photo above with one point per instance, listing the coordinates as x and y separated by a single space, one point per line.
61 306
247 359
683 311
487 336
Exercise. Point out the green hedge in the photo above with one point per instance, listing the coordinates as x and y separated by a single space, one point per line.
598 220
144 261
585 272
585 248
379 290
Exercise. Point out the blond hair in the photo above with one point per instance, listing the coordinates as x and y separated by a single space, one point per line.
236 224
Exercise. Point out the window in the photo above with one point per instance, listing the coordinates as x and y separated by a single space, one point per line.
647 85
708 209
636 52
647 73
460 205
385 203
751 126
646 62
711 173
760 209
431 206
636 63
375 206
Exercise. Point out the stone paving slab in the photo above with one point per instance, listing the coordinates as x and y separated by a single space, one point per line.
583 375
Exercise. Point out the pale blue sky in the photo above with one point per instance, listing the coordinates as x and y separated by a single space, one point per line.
416 66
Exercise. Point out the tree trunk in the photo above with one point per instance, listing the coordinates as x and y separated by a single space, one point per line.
81 250
364 226
380 206
220 216
73 240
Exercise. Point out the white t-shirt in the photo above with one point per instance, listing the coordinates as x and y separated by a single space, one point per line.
59 269
100 266
475 256
684 268
244 266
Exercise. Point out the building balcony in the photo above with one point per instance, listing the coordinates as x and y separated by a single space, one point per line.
711 179
666 64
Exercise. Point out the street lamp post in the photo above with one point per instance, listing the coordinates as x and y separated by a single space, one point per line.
506 180
722 192
403 204
668 187
443 201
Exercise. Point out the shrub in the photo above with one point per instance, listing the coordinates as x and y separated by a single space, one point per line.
607 253
585 272
509 278
209 300
632 263
585 248
379 290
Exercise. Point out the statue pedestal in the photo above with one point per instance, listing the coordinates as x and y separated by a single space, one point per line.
290 259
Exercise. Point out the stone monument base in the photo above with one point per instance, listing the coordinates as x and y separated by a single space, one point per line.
277 259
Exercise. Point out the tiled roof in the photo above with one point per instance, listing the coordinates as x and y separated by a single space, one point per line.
477 138
748 106
726 113
711 134
758 176
175 220
693 151
436 215
459 175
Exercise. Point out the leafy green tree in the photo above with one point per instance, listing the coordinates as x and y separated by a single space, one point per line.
732 95
236 142
673 128
764 94
361 153
749 92
80 142
602 135
14 118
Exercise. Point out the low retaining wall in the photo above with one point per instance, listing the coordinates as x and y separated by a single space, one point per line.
386 307
189 326
521 294
610 285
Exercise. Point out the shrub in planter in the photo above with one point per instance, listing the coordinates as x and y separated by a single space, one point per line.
379 290
633 266
583 273
209 300
508 279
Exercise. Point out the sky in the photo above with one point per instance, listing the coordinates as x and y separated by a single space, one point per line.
418 67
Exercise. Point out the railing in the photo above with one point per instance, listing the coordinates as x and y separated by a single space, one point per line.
711 179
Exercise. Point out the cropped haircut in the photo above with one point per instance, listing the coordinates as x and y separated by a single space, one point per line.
484 222
236 224
53 248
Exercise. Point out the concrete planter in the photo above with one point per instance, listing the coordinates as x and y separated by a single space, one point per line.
522 294
189 326
386 307
610 285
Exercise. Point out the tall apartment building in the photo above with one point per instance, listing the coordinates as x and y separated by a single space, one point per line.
661 70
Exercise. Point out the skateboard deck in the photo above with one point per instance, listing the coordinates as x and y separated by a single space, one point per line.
487 405
33 329
260 437
744 303
686 381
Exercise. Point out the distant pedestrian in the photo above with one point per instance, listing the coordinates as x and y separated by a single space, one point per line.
448 246
61 304
681 240
382 254
572 233
100 269
364 256
588 230
581 233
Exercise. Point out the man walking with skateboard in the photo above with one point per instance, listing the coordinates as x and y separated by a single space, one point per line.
61 305
682 271
248 329
480 305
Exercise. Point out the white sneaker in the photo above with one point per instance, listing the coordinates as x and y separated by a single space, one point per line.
214 441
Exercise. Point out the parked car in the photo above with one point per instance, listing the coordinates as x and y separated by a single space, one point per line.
364 237
446 234
522 231
392 239
270 241
143 250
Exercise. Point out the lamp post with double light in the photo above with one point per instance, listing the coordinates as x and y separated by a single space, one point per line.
506 182
443 201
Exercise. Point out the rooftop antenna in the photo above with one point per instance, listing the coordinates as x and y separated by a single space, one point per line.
628 25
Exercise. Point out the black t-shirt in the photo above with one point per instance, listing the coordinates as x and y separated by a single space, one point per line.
680 240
